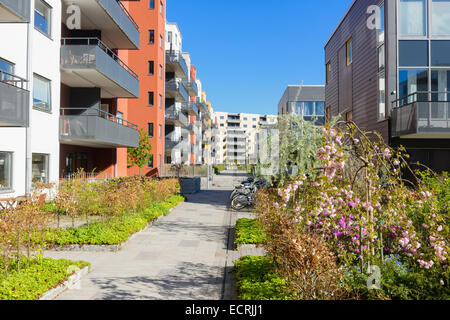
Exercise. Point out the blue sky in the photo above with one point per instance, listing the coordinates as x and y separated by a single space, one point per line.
247 51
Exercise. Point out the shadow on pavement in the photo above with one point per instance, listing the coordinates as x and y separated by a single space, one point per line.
185 281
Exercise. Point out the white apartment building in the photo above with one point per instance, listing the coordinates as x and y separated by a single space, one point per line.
236 136
30 32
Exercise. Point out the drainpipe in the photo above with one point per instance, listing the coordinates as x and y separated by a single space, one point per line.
29 70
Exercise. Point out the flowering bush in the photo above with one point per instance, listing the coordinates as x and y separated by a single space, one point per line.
358 202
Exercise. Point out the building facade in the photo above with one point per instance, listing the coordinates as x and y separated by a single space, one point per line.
29 94
236 136
94 131
388 70
304 100
147 109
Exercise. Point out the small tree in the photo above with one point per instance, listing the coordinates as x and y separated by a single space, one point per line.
141 155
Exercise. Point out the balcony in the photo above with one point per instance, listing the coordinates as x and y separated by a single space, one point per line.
176 117
421 115
201 105
191 88
176 90
117 26
15 10
173 143
176 63
89 63
14 101
234 120
92 127
190 108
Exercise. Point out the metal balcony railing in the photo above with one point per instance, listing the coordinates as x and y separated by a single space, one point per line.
177 116
176 89
422 114
191 87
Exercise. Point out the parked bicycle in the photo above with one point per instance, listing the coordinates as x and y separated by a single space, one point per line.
243 196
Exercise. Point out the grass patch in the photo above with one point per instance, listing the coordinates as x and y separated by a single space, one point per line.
248 231
113 231
257 280
35 279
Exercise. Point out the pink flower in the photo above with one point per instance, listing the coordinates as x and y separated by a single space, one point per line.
439 229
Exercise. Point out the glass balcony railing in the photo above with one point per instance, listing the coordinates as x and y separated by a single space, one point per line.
14 101
94 127
421 115
15 10
87 55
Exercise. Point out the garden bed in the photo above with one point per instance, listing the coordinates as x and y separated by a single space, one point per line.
110 235
36 278
248 231
257 280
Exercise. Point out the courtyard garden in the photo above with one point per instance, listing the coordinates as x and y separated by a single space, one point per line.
77 212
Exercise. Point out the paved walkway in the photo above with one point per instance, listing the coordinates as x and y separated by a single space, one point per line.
182 256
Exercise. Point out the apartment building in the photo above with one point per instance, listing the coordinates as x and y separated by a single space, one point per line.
148 62
94 130
236 136
388 69
304 100
29 94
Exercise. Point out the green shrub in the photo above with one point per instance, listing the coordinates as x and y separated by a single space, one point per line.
35 279
113 231
248 231
399 282
256 280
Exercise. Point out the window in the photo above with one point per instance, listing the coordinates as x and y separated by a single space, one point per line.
308 108
161 41
160 101
42 17
328 72
440 15
150 163
349 116
151 68
412 18
381 58
320 108
440 82
412 81
39 168
245 126
7 67
160 71
349 51
381 30
150 130
222 117
152 4
151 99
160 131
440 56
5 171
254 126
413 53
41 93
245 119
381 96
161 7
254 119
222 125
151 36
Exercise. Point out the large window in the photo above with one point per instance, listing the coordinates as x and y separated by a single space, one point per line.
412 18
412 81
328 72
7 67
440 17
41 93
42 17
5 171
381 30
40 167
152 4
